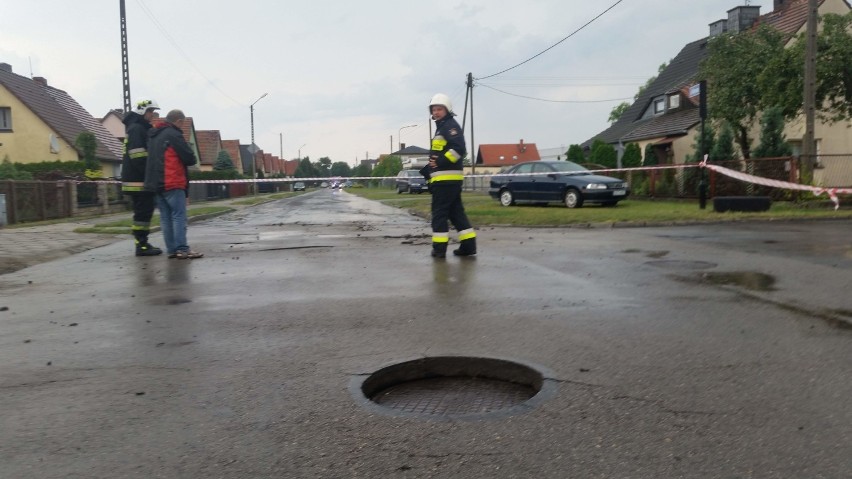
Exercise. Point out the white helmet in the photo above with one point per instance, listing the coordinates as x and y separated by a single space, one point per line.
142 106
443 100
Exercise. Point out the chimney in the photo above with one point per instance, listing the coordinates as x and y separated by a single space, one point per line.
718 27
402 146
5 67
40 80
742 18
778 5
521 146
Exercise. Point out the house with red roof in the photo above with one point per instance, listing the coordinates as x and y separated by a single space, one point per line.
491 158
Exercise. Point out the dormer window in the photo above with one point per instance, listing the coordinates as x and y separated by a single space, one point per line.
659 106
674 101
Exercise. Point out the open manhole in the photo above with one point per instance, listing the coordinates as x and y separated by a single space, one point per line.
453 387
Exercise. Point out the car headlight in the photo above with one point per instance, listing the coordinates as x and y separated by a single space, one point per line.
596 186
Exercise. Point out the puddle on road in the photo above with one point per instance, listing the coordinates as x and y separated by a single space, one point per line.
681 264
750 280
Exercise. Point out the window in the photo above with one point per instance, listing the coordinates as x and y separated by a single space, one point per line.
659 106
674 101
5 118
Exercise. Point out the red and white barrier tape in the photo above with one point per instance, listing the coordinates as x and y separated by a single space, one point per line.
757 180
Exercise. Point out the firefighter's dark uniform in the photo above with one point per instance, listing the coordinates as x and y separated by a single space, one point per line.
445 182
133 181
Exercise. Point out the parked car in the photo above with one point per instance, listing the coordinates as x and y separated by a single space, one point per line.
551 181
410 181
298 186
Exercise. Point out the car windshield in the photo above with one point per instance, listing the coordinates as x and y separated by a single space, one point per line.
568 167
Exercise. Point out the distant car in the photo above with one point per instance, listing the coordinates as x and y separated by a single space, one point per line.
551 181
324 184
334 184
410 181
298 186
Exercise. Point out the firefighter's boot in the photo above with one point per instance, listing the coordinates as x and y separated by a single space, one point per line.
467 248
439 250
143 247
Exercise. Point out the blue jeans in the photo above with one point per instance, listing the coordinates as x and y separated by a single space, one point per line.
172 205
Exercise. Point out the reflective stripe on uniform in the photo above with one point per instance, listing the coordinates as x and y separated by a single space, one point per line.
438 237
467 234
133 186
446 175
139 226
138 153
452 155
438 143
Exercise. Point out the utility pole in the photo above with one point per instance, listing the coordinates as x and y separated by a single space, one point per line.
125 61
472 150
281 145
808 141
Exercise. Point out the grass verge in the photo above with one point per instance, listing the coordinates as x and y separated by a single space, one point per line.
483 210
123 226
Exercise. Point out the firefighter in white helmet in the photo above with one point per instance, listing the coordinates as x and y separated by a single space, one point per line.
136 126
445 175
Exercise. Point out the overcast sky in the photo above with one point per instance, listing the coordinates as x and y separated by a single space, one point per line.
342 77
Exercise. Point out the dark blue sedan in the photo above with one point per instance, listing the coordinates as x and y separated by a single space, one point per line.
551 181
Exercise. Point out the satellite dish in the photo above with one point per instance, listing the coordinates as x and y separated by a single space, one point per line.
54 143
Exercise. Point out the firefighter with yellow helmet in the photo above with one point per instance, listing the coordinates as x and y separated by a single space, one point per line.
445 176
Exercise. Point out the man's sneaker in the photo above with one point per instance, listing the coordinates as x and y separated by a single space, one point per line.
172 255
146 249
188 255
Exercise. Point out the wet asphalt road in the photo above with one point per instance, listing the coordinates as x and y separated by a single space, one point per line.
699 351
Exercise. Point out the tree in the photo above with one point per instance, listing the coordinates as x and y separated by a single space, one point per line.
362 170
699 150
575 154
388 166
723 147
88 145
632 156
603 154
306 169
323 166
784 81
341 168
772 141
733 70
223 161
617 111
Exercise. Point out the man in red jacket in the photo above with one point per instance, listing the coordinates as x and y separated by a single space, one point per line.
166 175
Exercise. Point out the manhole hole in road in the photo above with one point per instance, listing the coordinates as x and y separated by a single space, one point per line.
453 387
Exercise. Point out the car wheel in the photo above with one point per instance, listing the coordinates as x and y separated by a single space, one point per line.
573 198
506 198
410 191
398 190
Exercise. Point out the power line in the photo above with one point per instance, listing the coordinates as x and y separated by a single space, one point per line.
555 44
553 101
186 57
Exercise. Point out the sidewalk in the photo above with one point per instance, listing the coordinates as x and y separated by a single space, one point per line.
24 246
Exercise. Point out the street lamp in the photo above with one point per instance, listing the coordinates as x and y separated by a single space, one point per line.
253 146
399 134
